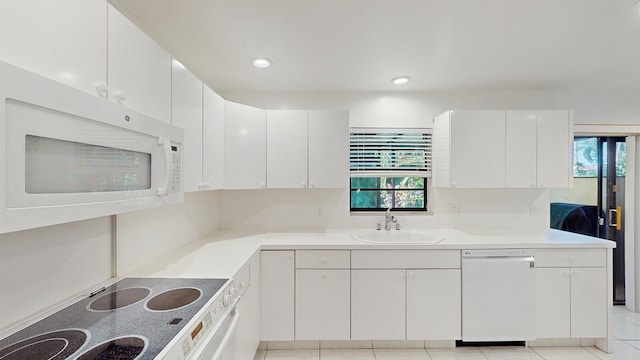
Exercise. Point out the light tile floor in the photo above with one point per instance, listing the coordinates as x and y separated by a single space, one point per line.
626 346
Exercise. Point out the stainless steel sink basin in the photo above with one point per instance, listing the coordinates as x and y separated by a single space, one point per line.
398 236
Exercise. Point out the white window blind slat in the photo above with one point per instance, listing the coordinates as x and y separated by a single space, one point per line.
390 152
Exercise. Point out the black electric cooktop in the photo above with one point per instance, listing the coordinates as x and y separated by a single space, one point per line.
134 318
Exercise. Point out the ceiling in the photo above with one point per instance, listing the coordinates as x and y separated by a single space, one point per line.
360 45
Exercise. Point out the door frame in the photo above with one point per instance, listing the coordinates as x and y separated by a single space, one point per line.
632 187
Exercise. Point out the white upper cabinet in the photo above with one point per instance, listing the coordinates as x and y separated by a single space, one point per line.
469 149
186 112
555 149
541 138
286 149
245 145
498 149
64 40
139 69
213 143
328 148
521 143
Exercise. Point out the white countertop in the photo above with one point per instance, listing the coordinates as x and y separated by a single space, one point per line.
221 255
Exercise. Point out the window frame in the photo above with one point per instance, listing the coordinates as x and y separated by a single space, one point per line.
422 210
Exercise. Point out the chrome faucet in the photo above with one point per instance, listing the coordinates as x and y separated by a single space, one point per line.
389 219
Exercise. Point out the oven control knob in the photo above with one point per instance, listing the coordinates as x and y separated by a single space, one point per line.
235 292
227 300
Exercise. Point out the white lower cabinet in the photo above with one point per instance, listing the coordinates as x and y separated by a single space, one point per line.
277 295
248 332
416 294
572 294
553 304
378 304
322 304
433 304
323 284
589 302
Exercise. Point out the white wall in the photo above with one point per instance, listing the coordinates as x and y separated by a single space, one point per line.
41 267
146 235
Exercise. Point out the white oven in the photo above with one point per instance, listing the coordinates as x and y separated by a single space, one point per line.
211 335
221 345
69 155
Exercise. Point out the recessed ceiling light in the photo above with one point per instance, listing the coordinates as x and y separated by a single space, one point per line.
400 80
261 62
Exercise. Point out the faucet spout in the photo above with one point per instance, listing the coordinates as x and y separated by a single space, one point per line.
389 219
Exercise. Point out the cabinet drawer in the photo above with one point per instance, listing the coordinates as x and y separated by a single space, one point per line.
405 259
322 259
571 257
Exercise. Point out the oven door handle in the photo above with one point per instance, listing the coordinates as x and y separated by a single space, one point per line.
231 333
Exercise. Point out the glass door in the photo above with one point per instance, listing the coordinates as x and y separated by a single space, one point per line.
594 206
611 184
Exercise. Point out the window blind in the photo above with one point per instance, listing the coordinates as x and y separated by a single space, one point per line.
390 152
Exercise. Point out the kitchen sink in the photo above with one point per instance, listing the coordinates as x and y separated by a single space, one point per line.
398 236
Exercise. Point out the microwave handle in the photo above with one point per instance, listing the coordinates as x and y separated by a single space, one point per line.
168 165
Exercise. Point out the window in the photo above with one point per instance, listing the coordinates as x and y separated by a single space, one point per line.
390 168
585 157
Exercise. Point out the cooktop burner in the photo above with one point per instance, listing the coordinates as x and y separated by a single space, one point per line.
118 299
174 299
126 348
55 345
116 323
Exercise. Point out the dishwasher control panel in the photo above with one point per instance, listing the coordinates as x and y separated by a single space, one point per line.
497 253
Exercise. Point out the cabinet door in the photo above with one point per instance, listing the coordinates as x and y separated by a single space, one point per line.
245 146
65 40
186 112
139 69
477 149
521 128
378 304
277 295
328 149
248 331
434 304
553 303
555 149
322 304
589 302
286 149
213 140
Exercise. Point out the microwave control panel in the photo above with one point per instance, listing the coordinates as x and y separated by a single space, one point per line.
175 179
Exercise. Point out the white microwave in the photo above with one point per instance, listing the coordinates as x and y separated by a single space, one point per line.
69 155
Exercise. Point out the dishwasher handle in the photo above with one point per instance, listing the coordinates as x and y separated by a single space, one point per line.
501 259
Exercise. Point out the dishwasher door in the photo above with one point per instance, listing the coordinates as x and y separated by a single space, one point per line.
498 295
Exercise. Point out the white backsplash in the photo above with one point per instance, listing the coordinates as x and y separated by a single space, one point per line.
143 236
44 266
306 210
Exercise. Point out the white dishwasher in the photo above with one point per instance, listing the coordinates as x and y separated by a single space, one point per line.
498 295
